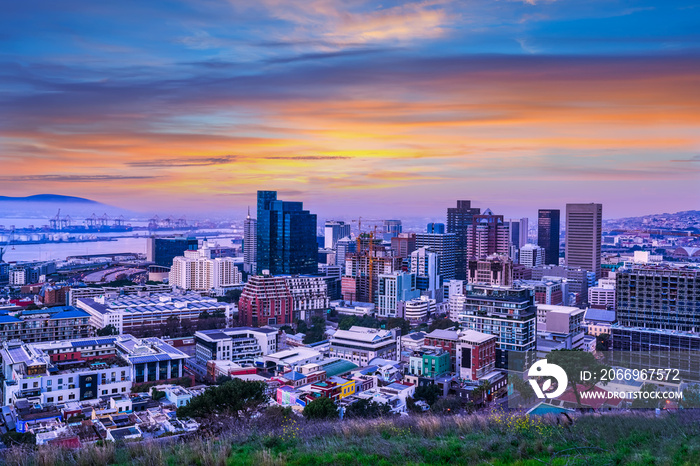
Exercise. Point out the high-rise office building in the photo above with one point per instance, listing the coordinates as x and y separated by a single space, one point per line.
392 228
286 236
392 289
435 228
404 244
162 251
584 224
425 264
334 231
531 255
445 246
488 234
459 220
250 243
548 227
343 247
518 232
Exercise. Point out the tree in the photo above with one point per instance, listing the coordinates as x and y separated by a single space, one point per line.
321 408
523 388
441 324
317 332
647 403
302 327
480 392
232 397
399 322
157 394
691 397
447 405
428 393
171 326
367 409
602 342
575 363
106 331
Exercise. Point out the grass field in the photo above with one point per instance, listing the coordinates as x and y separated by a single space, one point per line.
496 439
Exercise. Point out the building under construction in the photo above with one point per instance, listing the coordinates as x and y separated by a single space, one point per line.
363 267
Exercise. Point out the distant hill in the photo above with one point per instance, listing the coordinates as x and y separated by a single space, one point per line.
49 198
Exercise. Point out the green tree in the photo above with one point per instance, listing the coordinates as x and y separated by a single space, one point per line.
521 386
399 322
317 332
428 393
602 342
447 405
321 408
441 324
302 327
232 397
647 403
691 397
574 363
106 331
367 409
157 394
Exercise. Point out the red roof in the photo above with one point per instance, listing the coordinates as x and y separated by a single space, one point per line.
595 403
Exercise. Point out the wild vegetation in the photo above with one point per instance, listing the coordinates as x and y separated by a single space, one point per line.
279 437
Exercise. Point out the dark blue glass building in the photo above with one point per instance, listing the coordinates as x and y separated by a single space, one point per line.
286 236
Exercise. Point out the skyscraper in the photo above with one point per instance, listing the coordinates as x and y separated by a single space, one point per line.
531 255
583 236
392 228
333 231
459 220
162 251
425 264
548 234
286 240
250 243
445 247
435 228
518 232
488 234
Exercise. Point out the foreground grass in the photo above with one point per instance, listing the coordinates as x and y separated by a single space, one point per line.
422 440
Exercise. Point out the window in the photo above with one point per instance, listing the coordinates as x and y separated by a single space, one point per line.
71 396
104 392
49 399
60 398
123 389
48 383
114 390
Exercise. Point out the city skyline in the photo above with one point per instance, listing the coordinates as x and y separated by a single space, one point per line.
195 106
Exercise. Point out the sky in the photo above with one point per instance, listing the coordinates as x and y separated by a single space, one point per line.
354 107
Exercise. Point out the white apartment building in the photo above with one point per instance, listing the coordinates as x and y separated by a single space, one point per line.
197 271
603 295
86 368
361 344
241 344
531 255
